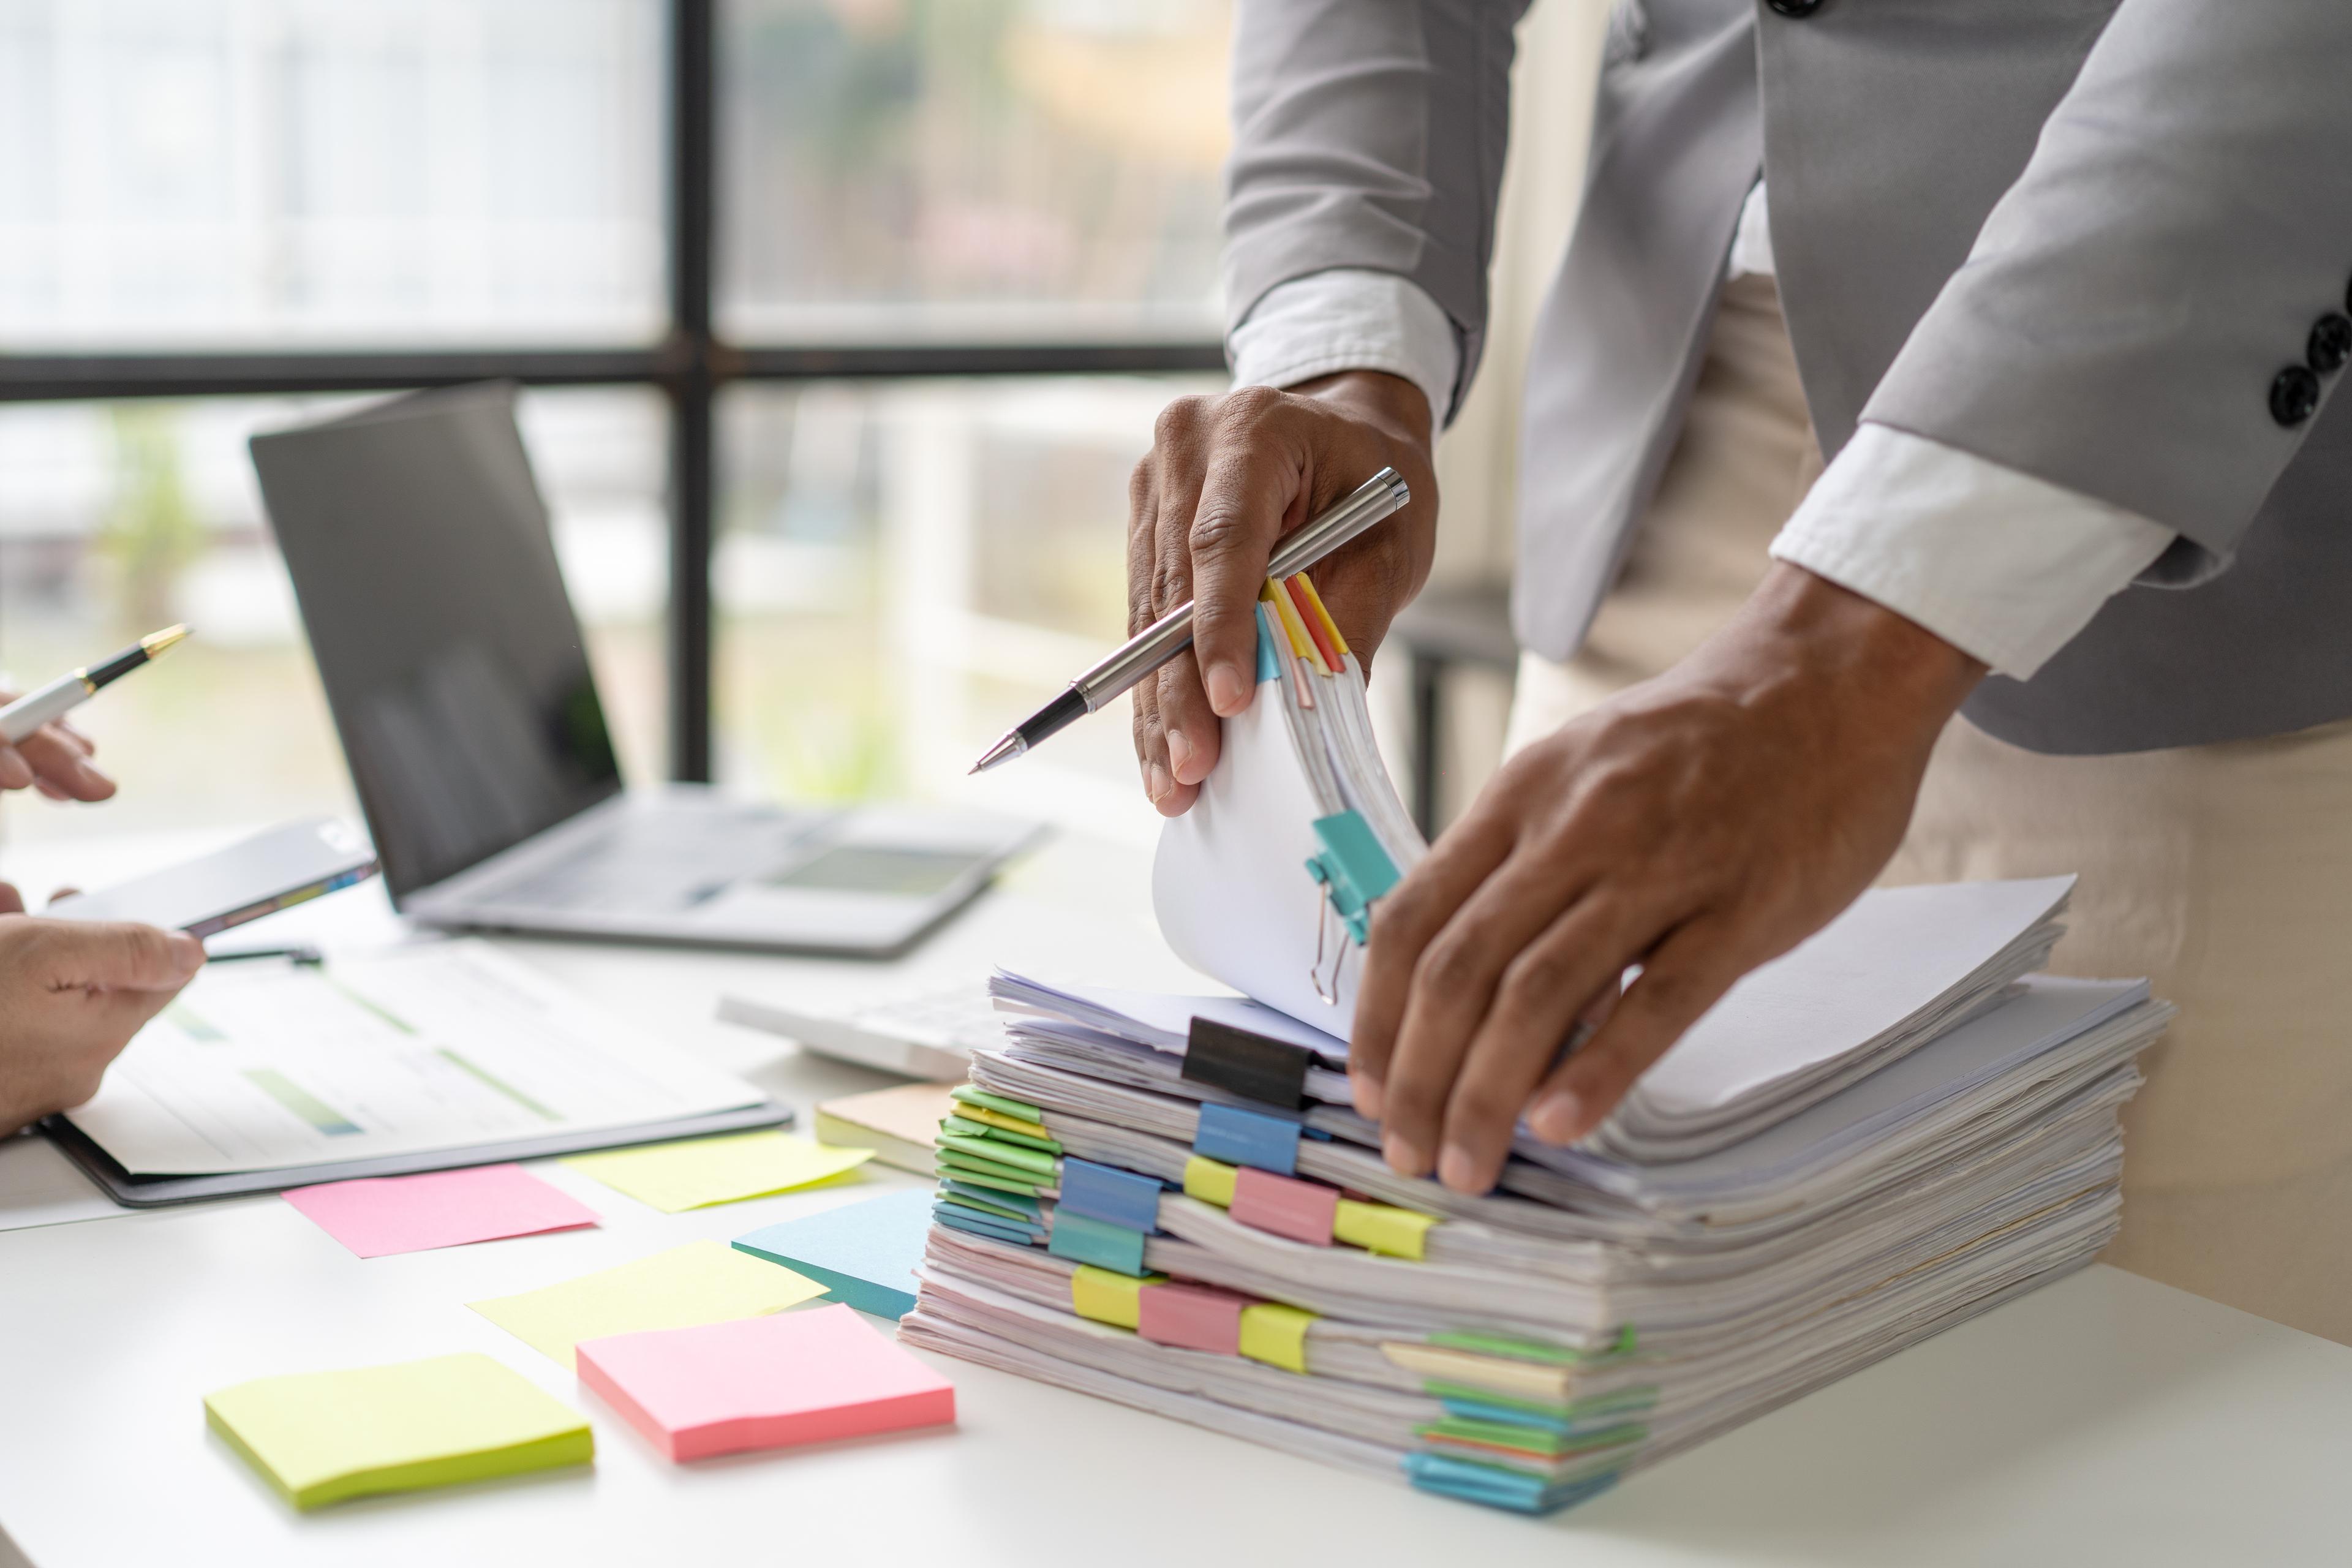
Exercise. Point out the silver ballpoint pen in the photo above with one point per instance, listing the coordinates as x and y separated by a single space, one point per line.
1381 496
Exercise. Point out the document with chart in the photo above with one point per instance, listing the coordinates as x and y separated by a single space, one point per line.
439 1045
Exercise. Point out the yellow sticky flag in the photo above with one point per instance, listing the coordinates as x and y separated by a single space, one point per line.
701 1282
1211 1181
1383 1228
322 1437
1275 1334
1301 644
987 1118
1109 1298
705 1171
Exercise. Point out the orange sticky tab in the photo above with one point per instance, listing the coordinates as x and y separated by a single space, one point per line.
1300 644
1307 585
1326 655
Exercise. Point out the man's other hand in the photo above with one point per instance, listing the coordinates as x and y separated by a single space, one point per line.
1226 478
1698 825
71 995
55 760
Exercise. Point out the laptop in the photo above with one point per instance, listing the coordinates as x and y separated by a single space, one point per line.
454 664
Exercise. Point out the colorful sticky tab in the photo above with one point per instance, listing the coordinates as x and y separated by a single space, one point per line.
700 1172
986 1173
1306 586
1382 1227
1285 1205
764 1382
1012 1205
1108 1297
377 1217
1191 1317
1211 1181
1001 1122
701 1282
1240 1137
1275 1334
1269 661
1082 1238
1106 1193
972 1224
864 1254
322 1437
1036 1162
973 1094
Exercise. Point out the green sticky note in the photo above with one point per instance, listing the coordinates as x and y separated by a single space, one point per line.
701 1282
971 1095
1034 1160
706 1170
978 1173
322 1437
961 1128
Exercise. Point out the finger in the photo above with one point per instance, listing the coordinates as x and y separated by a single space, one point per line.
1142 552
1195 734
65 730
1254 479
1187 718
117 955
1688 972
1404 921
64 764
1560 977
1171 796
16 772
12 902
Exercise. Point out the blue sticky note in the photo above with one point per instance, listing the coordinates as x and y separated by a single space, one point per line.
1240 1137
1105 1192
863 1253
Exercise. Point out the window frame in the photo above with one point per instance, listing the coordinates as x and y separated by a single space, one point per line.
691 364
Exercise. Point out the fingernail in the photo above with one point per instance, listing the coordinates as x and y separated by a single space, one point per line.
1159 784
1458 1169
1227 693
1403 1156
1180 757
188 951
1555 1120
1368 1097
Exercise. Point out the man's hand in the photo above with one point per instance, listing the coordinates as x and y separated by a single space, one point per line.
53 758
71 995
1226 478
1697 824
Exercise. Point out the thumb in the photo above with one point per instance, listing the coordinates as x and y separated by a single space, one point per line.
116 955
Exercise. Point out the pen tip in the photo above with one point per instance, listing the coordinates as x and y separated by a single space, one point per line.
156 642
1010 746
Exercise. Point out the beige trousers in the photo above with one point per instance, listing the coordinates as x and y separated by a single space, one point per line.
2222 873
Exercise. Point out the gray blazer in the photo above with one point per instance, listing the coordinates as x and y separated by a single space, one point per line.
2105 242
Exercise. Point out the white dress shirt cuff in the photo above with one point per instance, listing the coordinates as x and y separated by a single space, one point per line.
1349 319
2001 564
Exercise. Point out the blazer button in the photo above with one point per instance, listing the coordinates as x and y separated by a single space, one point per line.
2294 395
1794 8
2330 344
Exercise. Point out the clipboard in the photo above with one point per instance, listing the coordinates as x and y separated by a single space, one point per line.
161 1192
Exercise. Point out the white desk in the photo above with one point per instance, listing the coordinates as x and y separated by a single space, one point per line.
2104 1420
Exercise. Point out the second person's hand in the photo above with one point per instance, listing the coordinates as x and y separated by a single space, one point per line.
1226 478
53 758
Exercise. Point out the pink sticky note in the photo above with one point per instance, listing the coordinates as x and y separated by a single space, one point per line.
1302 1210
379 1215
764 1382
1191 1317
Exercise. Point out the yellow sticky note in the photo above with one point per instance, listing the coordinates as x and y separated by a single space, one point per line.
322 1437
701 1282
1382 1228
1109 1298
1211 1181
1275 1334
705 1171
987 1118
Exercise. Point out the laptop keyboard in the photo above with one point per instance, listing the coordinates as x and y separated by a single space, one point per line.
663 860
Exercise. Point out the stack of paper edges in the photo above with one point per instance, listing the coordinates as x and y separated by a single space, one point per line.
1165 1200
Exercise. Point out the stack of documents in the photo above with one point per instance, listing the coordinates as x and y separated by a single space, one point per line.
1167 1201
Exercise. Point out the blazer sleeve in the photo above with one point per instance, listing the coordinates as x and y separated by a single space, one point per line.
2151 313
1370 135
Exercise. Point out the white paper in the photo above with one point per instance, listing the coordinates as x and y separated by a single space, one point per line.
1894 952
1229 882
260 1066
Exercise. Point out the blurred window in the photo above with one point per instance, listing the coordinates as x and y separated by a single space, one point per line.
184 174
971 169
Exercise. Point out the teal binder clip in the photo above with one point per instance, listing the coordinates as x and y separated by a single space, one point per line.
1353 869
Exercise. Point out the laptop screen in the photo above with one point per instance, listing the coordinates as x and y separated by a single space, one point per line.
452 661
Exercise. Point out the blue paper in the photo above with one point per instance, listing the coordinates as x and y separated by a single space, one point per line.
1082 1238
1240 1137
863 1253
1106 1193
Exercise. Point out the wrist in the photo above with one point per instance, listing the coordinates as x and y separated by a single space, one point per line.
1389 402
1801 629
